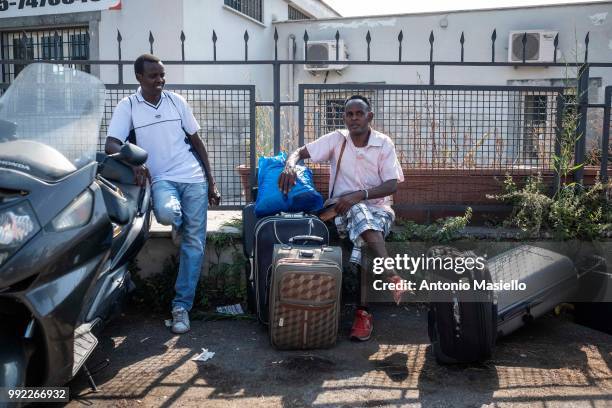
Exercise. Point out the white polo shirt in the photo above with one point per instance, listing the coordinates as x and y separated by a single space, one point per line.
159 131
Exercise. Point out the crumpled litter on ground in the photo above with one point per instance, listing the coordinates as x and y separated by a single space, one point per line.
204 356
231 309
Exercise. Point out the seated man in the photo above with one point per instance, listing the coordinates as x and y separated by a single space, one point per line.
363 183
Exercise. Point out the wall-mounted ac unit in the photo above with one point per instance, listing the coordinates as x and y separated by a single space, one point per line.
539 46
326 51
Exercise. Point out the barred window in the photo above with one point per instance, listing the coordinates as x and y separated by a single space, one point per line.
79 47
536 115
331 109
23 48
52 47
334 114
252 8
295 14
62 45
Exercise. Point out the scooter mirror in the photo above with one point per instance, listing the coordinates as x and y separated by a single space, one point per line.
132 154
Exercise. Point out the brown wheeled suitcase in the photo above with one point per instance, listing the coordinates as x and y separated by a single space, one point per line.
305 296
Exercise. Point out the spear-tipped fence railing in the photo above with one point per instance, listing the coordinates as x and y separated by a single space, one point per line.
17 51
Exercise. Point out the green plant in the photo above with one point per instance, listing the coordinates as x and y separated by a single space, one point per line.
574 212
263 131
530 206
235 222
224 284
443 230
155 292
563 163
581 213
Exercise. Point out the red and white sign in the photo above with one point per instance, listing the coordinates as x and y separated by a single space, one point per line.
24 8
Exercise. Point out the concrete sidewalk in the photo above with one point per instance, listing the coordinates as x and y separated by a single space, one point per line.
550 363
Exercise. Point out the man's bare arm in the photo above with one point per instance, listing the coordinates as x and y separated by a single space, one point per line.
213 193
383 190
348 200
286 181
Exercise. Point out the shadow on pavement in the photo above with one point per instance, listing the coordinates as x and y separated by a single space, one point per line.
552 360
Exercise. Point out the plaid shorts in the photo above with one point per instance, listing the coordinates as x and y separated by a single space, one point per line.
360 218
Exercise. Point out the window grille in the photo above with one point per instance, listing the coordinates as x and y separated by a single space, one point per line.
295 14
252 8
63 44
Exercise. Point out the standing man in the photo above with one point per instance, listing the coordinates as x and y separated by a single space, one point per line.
363 183
182 181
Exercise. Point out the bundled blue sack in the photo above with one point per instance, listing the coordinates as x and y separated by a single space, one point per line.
303 197
270 200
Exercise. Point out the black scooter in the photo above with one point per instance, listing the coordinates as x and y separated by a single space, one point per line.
70 222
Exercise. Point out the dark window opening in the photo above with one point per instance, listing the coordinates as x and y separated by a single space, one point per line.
334 114
252 8
536 115
295 14
52 48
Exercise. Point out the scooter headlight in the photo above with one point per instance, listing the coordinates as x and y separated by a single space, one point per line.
17 225
76 214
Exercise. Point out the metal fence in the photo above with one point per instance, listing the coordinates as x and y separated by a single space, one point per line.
226 114
606 148
454 142
448 127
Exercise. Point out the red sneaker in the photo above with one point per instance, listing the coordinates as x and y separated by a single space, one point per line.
397 293
362 325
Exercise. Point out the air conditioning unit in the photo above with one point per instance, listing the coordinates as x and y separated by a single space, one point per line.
539 46
325 51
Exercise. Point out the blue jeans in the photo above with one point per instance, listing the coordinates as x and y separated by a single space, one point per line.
184 205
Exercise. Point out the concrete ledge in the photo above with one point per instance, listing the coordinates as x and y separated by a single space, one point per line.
159 246
215 222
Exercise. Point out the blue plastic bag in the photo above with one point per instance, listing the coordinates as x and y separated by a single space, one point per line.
270 200
303 196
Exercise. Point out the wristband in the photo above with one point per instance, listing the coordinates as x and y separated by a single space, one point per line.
366 194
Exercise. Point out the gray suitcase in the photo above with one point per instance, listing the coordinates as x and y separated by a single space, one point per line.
464 330
550 278
305 293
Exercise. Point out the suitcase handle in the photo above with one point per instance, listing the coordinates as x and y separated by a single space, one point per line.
312 238
306 253
292 215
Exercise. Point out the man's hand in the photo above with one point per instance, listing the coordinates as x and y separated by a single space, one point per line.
141 175
214 197
346 201
286 181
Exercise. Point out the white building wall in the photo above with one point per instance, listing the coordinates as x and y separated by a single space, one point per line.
134 21
572 22
198 19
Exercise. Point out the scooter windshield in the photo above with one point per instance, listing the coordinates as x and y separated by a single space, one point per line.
50 119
